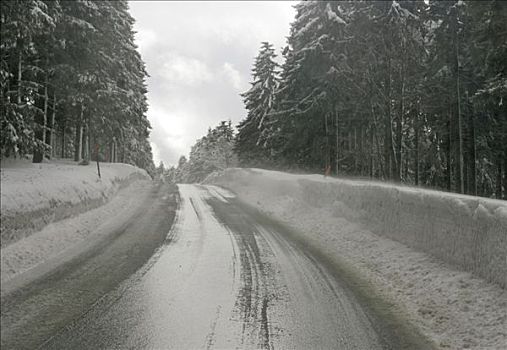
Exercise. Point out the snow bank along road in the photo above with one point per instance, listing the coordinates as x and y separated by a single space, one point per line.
226 277
35 195
464 231
49 209
38 303
429 253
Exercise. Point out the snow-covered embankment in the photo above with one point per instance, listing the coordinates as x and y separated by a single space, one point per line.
34 195
52 211
467 232
427 252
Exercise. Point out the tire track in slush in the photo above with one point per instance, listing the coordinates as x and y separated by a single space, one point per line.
210 338
280 293
287 297
253 299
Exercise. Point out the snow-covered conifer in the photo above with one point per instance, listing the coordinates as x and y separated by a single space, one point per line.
253 131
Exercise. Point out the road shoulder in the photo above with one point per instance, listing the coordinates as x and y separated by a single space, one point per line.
388 317
60 241
70 288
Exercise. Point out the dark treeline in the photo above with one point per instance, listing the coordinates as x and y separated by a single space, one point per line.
405 91
72 82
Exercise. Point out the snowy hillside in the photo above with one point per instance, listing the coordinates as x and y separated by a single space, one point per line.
467 232
389 236
34 195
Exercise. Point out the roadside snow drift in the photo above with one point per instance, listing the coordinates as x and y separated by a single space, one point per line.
469 233
34 195
412 247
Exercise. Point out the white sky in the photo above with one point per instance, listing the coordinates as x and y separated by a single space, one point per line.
199 56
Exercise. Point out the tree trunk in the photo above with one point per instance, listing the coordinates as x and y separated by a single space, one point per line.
405 169
97 158
86 148
79 137
38 154
111 151
399 127
416 141
380 165
355 150
361 149
52 141
466 174
498 190
459 174
372 154
328 151
63 138
473 153
45 116
337 130
397 171
448 150
80 146
505 177
114 155
460 133
76 142
20 76
388 147
388 144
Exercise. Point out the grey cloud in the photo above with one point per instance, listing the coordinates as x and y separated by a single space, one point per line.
199 56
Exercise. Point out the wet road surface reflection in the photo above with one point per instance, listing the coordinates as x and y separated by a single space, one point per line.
226 280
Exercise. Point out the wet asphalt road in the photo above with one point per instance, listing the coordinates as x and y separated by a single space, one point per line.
224 278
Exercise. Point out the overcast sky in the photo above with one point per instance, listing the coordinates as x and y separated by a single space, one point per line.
199 56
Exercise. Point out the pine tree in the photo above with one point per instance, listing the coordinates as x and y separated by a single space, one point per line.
23 23
488 123
253 131
72 78
411 91
210 153
308 94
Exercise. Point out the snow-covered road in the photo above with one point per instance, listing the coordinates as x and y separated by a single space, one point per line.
227 277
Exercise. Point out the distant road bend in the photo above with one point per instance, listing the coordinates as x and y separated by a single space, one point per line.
225 277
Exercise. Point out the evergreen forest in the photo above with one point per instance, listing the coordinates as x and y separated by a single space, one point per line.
411 92
72 83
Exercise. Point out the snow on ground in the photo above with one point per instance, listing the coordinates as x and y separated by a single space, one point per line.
34 195
349 221
56 240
